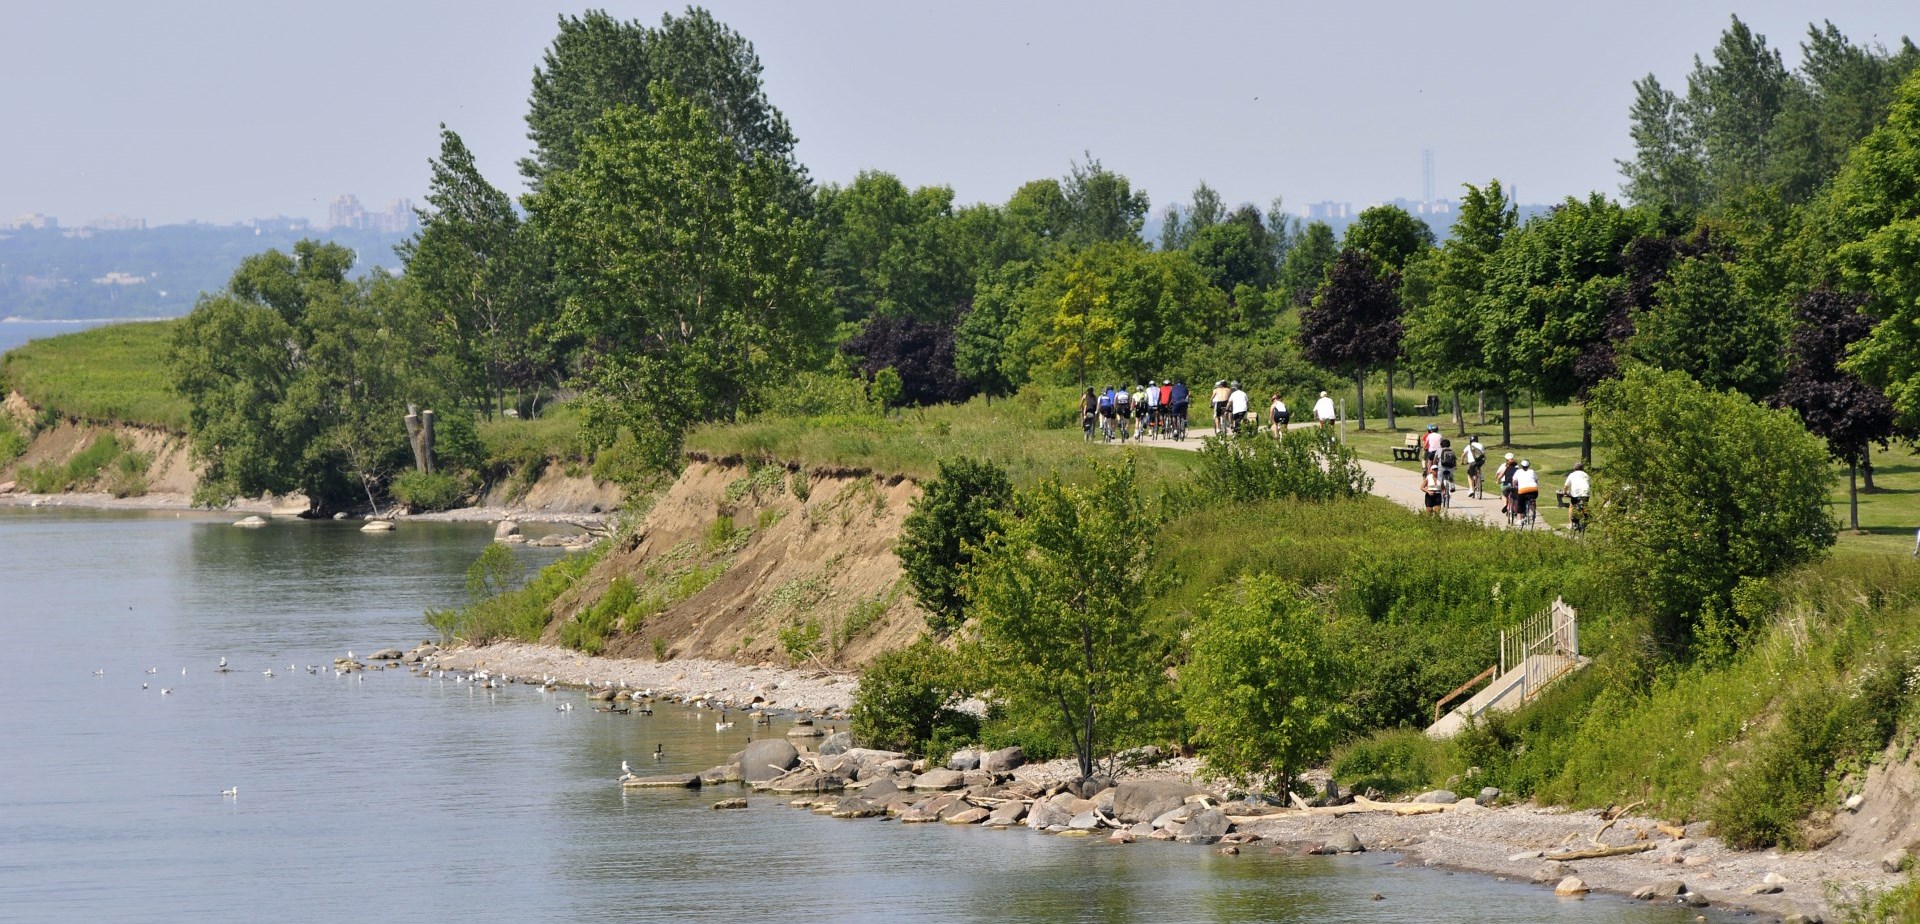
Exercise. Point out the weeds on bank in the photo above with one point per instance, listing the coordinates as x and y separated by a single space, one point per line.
118 470
115 373
494 612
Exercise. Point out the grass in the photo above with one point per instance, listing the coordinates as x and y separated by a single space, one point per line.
116 373
1032 434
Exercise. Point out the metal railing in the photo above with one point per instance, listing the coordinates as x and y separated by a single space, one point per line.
1543 646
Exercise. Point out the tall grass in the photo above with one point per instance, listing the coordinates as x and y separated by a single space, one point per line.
116 373
520 613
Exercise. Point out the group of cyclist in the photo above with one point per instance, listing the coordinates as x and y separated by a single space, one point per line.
1518 480
1157 410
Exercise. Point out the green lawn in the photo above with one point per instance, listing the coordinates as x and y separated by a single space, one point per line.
112 373
1551 441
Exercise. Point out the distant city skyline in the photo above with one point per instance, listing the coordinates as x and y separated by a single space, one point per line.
198 111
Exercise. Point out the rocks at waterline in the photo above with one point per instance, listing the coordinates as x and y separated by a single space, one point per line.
1663 889
253 522
1571 885
507 531
377 526
420 653
1045 814
969 816
1206 827
1144 800
836 743
736 802
939 780
1552 870
1344 842
765 759
1007 813
387 654
1005 760
667 781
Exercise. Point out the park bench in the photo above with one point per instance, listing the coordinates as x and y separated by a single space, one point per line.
1409 452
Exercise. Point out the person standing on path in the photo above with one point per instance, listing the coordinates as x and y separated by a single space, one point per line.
1323 410
1431 488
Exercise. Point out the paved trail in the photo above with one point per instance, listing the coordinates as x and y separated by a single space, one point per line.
1395 484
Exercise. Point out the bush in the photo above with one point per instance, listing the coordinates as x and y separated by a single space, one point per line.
955 514
13 441
906 701
1306 464
588 630
428 491
521 614
1399 761
1263 688
127 475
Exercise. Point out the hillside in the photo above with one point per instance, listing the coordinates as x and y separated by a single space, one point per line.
115 373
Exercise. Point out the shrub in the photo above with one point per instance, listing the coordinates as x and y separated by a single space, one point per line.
1263 688
427 491
521 613
1307 464
906 700
13 441
589 629
127 476
955 514
1397 761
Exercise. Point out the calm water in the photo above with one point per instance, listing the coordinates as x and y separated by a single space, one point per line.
388 793
14 333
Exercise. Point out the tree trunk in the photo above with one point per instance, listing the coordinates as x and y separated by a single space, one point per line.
1360 397
1586 435
1480 401
1506 419
426 438
1410 385
1530 424
1459 415
1391 425
1853 491
413 438
1866 471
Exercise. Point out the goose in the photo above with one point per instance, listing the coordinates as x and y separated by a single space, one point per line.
235 792
659 752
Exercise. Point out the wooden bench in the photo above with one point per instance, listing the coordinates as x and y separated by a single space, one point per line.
1409 452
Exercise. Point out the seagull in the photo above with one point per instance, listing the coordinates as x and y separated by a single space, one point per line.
222 668
165 690
563 707
143 686
235 792
153 670
183 672
625 770
100 673
267 673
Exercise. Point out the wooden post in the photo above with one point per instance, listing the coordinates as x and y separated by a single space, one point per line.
426 440
413 438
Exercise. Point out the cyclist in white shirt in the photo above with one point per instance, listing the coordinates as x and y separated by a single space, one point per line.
1578 488
1237 406
1323 410
1526 487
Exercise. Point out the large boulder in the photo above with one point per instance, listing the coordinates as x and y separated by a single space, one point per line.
1045 815
1144 800
936 780
836 743
1008 813
1344 842
767 758
1205 828
1004 760
964 760
806 781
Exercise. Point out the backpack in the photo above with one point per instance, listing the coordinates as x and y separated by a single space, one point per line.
1447 458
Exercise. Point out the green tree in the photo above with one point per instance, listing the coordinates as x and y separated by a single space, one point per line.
1236 252
1099 206
1702 489
1264 689
889 250
684 270
1873 212
981 342
1354 322
1391 236
597 63
1667 167
1305 267
908 699
1059 595
473 271
1709 321
952 519
1732 104
1179 225
1442 293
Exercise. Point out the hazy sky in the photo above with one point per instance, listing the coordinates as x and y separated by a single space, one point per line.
223 111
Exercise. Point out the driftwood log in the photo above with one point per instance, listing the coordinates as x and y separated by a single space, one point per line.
1363 804
1596 853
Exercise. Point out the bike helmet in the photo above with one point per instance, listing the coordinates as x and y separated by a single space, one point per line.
1525 464
1509 457
1432 427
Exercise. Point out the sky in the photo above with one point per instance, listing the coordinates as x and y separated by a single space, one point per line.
227 111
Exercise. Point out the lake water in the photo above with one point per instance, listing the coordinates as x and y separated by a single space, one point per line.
14 332
384 793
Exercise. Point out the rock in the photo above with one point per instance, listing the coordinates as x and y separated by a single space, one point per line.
977 779
1893 861
1143 829
1144 800
1775 879
937 780
1089 787
6 487
1104 801
1439 796
1694 900
725 773
1854 802
879 789
599 696
1552 870
1163 834
1489 795
1085 821
1007 813
1173 818
1802 919
805 731
1698 829
1005 760
868 755
971 816
1344 842
1121 836
1763 888
505 530
1467 807
377 526
1572 885
963 760
420 654
767 758
1205 828
1229 850
252 522
1695 861
1045 815
837 743
858 807
805 781
1665 888
733 803
669 781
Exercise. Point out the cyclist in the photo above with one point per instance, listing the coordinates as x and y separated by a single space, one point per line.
1578 488
1166 407
1139 412
1180 401
1476 457
1277 413
1106 414
1526 489
1237 407
1123 410
1220 394
1089 405
1503 476
1323 410
1153 407
1447 462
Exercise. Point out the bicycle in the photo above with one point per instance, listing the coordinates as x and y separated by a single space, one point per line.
1446 489
1577 516
1086 425
1529 515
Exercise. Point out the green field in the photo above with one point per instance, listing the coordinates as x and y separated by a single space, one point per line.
112 373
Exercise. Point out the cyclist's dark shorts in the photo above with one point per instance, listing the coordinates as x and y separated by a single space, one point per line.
1180 409
1473 469
1433 499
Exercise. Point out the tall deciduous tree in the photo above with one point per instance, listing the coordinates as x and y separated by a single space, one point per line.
597 63
1305 267
1732 104
1874 210
1179 225
1708 320
1442 293
1354 322
474 272
889 250
955 515
1059 596
1100 206
1835 404
1667 167
920 352
1390 235
683 268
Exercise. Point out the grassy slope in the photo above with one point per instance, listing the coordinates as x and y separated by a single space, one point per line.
112 373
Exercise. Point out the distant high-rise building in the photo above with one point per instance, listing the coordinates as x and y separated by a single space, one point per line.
345 211
36 222
117 222
1329 211
1426 175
